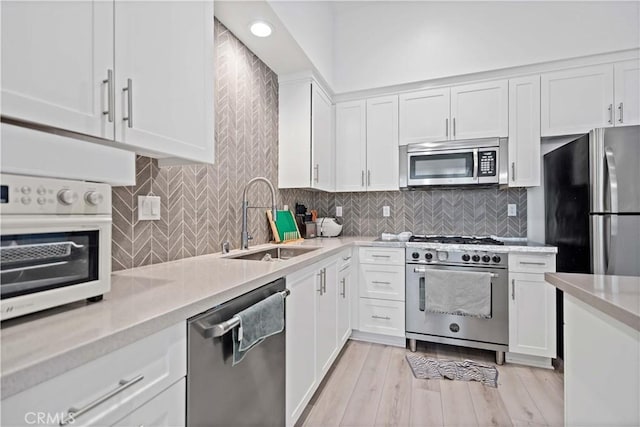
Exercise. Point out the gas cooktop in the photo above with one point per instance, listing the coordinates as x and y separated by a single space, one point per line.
458 240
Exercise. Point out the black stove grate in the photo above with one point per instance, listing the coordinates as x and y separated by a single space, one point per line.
458 240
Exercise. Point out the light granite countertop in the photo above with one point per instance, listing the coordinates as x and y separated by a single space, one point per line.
147 299
616 296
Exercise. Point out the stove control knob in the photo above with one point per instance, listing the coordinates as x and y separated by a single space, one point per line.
415 255
486 258
475 258
428 256
93 198
67 197
496 259
466 257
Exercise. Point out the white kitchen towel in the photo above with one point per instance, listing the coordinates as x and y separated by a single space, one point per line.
466 293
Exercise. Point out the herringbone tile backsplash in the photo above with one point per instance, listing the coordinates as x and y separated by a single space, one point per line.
201 205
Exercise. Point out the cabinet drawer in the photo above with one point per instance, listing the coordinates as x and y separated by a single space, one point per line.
119 382
382 317
388 256
382 282
165 410
532 263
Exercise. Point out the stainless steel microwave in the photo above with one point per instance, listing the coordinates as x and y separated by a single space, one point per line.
448 163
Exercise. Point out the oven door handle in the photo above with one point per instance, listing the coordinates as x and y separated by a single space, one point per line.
424 270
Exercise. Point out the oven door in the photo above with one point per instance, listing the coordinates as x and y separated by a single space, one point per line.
50 260
493 330
443 167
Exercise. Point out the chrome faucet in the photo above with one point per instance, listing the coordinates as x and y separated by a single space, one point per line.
244 236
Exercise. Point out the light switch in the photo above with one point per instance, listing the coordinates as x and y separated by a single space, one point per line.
386 211
338 211
148 208
512 209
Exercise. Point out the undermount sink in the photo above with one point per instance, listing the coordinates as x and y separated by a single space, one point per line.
273 254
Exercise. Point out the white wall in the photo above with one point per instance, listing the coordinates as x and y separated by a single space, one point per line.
386 43
311 24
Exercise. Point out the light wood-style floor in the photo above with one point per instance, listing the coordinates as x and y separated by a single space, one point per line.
372 385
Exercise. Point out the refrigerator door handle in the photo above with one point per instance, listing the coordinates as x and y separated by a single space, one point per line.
599 258
613 180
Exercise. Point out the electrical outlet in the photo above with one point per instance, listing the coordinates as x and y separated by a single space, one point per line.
512 209
285 207
386 211
338 211
148 208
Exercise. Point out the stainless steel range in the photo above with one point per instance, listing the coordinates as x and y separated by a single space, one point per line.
426 254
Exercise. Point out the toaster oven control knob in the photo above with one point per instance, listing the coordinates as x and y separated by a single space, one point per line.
67 197
428 256
466 257
415 255
496 259
486 258
93 198
475 258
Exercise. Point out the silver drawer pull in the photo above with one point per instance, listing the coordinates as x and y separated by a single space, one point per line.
377 282
73 413
381 256
381 317
532 263
346 258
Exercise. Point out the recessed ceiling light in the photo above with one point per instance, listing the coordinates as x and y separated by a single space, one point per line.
260 29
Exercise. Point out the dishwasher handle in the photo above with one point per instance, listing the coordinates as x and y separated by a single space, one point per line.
208 330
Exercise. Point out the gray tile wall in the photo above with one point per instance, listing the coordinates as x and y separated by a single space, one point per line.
201 204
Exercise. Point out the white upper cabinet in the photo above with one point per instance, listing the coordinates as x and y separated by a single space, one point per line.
55 56
524 131
382 143
424 116
577 100
627 92
351 146
164 85
480 110
306 143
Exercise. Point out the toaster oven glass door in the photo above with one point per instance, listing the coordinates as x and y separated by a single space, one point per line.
32 263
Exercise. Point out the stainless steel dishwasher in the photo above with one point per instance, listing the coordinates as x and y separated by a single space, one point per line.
252 393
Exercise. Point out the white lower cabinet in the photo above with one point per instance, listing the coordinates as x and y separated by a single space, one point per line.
318 325
168 409
532 309
105 390
383 317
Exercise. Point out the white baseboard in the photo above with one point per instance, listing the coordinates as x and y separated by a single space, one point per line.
379 339
525 359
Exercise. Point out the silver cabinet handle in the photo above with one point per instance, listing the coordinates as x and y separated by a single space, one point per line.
513 171
446 127
346 258
380 256
454 127
362 178
73 413
378 282
621 110
344 288
369 177
316 170
513 289
111 95
610 109
532 263
129 90
381 317
320 276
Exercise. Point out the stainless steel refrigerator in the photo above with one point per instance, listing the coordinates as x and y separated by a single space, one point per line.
592 202
592 206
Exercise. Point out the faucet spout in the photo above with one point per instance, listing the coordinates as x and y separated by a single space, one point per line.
244 236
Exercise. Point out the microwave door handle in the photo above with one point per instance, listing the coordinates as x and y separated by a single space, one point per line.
475 163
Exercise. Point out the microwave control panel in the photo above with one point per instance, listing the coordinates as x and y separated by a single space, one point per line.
487 163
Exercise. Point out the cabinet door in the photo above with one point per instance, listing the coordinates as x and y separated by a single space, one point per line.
424 116
627 92
55 56
382 143
351 146
524 132
166 50
294 135
480 110
301 323
165 410
326 326
322 145
532 315
345 282
576 101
